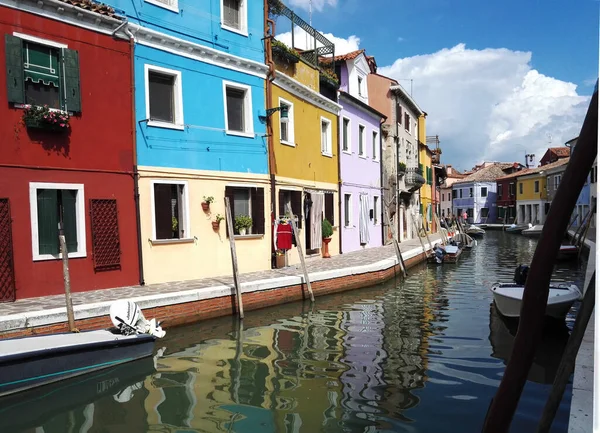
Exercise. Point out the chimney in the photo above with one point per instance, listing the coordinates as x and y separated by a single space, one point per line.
530 161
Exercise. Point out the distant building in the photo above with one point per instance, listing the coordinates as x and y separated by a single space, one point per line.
452 176
553 154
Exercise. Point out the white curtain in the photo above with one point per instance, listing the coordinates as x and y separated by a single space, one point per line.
364 219
316 219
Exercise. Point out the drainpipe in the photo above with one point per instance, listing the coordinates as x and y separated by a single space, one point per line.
269 31
136 175
339 167
395 170
381 121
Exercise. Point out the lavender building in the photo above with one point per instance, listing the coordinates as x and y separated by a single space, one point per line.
360 156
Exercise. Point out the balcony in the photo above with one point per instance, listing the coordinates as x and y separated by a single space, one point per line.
414 179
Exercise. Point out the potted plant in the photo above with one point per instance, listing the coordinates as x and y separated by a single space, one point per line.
217 222
329 77
174 226
326 233
206 203
284 52
401 168
242 224
44 118
279 259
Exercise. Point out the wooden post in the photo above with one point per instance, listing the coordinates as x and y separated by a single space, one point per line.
423 221
236 279
395 242
419 236
67 280
300 252
443 235
567 363
535 295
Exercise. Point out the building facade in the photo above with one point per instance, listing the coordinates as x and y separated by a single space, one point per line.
426 205
200 83
360 152
584 200
66 78
506 198
446 203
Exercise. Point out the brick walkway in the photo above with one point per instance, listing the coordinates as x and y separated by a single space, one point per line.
314 264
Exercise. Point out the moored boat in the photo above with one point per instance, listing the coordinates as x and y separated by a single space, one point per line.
568 252
533 231
517 228
30 362
473 231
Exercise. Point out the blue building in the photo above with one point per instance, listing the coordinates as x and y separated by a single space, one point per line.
199 78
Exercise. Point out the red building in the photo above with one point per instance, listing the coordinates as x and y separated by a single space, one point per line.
77 172
506 196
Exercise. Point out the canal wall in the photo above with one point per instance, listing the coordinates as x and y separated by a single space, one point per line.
188 302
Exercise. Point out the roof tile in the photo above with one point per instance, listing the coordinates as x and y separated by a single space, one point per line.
94 6
487 174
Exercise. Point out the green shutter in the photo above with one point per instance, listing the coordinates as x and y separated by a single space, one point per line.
69 200
14 70
47 210
421 208
72 87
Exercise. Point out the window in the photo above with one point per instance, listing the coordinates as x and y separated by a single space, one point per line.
484 191
53 205
499 188
398 113
520 187
248 201
325 137
286 129
163 97
484 212
536 186
375 210
329 208
346 135
347 210
361 141
471 192
294 199
238 109
460 193
360 84
407 122
556 181
170 210
453 194
42 72
167 4
511 189
233 15
375 146
470 212
449 197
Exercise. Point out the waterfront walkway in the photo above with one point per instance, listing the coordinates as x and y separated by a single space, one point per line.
48 310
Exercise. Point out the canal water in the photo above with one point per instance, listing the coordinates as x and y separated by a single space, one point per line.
423 355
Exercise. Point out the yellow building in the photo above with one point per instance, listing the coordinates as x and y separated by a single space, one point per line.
304 159
425 164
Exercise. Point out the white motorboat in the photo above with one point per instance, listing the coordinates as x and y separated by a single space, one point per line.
517 228
509 296
473 230
533 231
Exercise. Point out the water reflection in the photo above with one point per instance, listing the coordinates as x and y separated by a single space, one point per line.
423 355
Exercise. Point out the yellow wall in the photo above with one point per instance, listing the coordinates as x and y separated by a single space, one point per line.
208 254
301 72
422 129
529 188
305 160
425 160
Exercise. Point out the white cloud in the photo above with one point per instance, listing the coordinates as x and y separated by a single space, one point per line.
400 39
317 5
303 40
490 104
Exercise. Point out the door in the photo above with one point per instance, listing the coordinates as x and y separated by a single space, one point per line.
7 269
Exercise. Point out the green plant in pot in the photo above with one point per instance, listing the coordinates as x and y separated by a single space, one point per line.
174 225
206 203
401 167
217 222
326 233
243 223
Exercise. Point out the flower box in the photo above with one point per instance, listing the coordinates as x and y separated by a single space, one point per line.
284 54
330 81
35 117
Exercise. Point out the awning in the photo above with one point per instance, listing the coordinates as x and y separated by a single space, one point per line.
40 64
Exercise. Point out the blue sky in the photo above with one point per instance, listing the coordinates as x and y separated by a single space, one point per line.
497 78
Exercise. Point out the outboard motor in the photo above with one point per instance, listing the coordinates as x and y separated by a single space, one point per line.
521 274
129 319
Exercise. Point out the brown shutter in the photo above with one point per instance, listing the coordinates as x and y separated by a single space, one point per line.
297 206
105 234
162 211
229 194
329 208
281 207
257 199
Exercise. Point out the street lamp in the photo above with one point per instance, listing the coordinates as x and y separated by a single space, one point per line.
283 115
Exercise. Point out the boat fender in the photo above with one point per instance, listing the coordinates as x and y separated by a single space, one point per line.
521 274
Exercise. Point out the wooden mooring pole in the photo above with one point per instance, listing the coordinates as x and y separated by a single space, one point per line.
567 362
420 238
300 252
535 295
67 279
234 262
395 242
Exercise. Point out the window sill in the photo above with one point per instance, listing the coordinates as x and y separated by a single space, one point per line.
240 134
362 156
166 125
244 237
328 155
347 152
242 32
44 257
171 241
287 143
162 5
56 110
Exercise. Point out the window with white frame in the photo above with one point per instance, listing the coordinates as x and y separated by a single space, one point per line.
164 101
557 178
361 141
171 5
375 145
536 186
247 206
484 191
375 210
326 137
347 210
170 210
407 122
238 109
360 86
286 129
234 15
346 134
52 206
